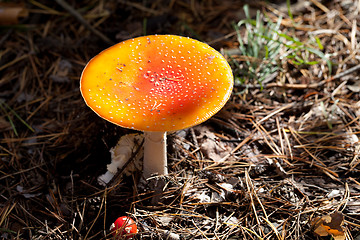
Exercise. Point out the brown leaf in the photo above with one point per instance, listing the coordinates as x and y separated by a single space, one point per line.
209 144
330 225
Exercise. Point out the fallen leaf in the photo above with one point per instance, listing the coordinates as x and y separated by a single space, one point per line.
354 88
209 144
329 225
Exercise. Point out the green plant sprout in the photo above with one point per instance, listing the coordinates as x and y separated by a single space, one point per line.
267 47
6 110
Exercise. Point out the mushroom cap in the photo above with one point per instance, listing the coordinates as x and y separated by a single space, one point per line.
124 227
157 83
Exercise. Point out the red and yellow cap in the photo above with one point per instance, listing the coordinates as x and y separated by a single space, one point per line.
157 83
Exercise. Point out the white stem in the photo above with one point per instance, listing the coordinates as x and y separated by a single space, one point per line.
155 161
105 178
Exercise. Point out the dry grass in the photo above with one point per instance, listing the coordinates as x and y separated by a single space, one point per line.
291 148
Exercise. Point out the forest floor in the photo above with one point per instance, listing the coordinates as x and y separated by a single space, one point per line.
279 161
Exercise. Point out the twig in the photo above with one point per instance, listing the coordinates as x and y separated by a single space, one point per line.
299 86
141 7
78 16
202 233
342 74
250 190
321 165
6 65
103 200
280 85
275 112
320 5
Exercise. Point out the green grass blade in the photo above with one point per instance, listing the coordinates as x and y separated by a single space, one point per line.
6 110
18 117
321 47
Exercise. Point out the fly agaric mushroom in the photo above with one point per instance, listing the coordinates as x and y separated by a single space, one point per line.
156 84
124 227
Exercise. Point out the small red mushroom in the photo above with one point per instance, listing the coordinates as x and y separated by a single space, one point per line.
123 227
156 84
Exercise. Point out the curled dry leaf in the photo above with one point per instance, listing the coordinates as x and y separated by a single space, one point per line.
209 145
329 225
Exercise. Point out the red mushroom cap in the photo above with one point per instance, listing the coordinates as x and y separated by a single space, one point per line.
124 227
157 83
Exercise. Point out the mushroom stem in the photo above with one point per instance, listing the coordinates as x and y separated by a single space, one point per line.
155 161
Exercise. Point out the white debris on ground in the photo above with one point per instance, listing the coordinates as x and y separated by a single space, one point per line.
121 154
21 190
